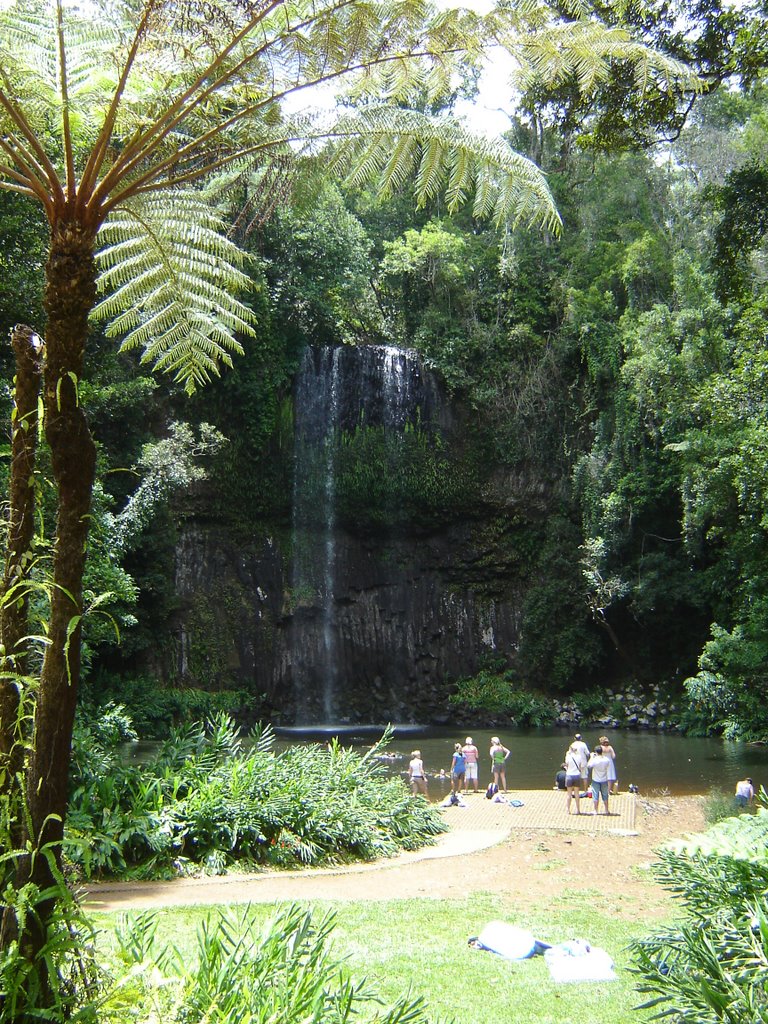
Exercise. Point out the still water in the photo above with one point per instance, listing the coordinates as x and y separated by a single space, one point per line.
655 762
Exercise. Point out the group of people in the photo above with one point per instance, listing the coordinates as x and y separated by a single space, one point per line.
464 767
585 770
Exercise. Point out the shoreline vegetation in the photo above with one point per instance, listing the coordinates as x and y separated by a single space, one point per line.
205 802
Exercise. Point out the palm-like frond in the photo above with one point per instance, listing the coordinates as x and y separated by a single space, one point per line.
586 51
153 97
170 277
389 143
31 62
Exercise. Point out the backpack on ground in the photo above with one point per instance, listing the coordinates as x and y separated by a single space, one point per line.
492 790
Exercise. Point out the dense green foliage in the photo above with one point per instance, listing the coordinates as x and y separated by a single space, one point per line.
285 971
498 693
616 373
207 799
606 366
712 966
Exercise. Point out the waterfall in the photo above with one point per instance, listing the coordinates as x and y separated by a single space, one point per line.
316 432
337 392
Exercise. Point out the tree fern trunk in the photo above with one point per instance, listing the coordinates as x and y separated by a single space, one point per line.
21 525
69 297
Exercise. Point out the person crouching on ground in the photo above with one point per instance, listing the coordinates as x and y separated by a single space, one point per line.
600 765
573 776
471 754
499 755
417 774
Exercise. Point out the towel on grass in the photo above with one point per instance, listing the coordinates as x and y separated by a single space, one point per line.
578 961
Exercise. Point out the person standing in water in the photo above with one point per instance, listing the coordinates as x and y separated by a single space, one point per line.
499 755
458 769
417 774
745 792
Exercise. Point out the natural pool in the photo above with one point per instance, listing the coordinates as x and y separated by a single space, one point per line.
653 761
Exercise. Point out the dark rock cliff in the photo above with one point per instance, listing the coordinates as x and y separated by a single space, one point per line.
399 570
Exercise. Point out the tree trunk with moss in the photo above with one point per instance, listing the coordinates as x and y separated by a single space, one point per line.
14 625
69 297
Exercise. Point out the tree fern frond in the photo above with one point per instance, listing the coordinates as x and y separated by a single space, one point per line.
431 172
400 166
586 51
170 274
508 185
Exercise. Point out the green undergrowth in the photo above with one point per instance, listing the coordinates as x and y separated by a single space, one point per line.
210 799
420 947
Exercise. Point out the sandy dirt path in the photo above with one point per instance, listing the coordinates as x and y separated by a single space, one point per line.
529 867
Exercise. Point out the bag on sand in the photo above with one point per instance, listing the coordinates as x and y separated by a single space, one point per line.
492 790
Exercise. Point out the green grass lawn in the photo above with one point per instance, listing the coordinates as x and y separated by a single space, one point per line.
421 946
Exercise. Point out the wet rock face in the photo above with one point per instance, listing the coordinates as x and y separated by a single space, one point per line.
402 629
341 615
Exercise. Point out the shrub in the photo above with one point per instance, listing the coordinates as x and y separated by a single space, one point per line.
714 965
591 705
497 693
154 711
208 799
285 972
62 982
720 805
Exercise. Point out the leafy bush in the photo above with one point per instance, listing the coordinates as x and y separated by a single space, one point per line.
590 704
713 967
62 982
719 805
285 973
496 693
208 800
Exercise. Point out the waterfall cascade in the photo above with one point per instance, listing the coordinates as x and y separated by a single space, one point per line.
337 391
